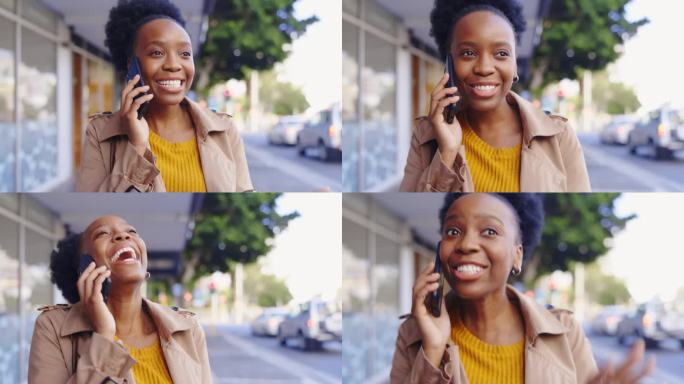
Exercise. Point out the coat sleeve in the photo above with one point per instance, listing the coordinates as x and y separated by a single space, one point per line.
418 370
130 171
573 159
100 360
586 368
242 178
201 344
435 176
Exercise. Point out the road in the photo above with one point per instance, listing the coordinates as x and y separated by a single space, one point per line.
281 169
613 169
669 358
237 357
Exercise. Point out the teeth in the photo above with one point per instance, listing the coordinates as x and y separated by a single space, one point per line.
121 251
170 83
469 269
485 87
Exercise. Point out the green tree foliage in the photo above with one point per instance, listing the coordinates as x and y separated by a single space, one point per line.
265 290
613 98
605 289
281 98
575 230
236 227
580 35
247 34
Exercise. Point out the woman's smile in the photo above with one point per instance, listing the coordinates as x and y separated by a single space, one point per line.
483 90
467 271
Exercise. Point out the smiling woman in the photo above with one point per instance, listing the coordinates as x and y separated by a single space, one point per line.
112 335
159 140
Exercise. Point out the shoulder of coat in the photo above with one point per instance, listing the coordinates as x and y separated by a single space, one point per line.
183 312
555 116
221 114
53 307
99 115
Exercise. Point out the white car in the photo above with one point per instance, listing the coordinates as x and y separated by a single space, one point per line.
286 130
316 322
268 322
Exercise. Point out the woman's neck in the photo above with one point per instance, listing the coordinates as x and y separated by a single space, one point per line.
170 122
500 128
126 306
493 319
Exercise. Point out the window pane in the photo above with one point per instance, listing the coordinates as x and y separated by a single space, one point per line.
351 7
350 97
8 130
38 214
379 105
386 309
9 4
10 201
39 124
379 18
38 14
9 298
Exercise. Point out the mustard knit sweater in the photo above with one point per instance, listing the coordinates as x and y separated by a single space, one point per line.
486 363
492 169
179 164
150 366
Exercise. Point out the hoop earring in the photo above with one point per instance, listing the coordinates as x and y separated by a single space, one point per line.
515 271
147 275
516 78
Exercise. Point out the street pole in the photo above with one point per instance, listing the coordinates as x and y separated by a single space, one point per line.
579 303
587 104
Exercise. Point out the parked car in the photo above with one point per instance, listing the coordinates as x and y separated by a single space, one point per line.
606 322
617 130
286 130
322 135
653 322
662 132
316 322
268 322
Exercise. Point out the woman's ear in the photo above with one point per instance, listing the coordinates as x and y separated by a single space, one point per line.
518 259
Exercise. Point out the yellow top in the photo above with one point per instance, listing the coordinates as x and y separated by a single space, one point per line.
179 164
492 169
487 363
150 366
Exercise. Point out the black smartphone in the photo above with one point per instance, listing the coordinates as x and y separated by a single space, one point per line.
83 264
450 110
134 69
433 301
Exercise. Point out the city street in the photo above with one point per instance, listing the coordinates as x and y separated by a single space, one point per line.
669 358
612 168
280 168
238 357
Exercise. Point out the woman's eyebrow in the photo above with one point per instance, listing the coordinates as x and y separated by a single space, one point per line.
479 216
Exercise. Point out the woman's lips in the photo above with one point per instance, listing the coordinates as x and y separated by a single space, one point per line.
468 272
170 86
483 91
125 255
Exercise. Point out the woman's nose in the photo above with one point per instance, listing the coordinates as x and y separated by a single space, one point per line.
122 236
171 64
484 66
467 244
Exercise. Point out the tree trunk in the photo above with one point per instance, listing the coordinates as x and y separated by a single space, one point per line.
204 76
537 80
189 268
530 270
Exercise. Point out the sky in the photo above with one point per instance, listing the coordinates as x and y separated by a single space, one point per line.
308 254
652 59
649 253
321 44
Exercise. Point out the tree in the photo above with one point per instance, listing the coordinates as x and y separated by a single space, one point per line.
237 227
265 290
575 230
605 289
613 98
580 35
281 98
247 34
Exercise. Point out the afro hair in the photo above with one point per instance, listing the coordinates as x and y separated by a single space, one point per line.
529 210
64 266
125 19
446 13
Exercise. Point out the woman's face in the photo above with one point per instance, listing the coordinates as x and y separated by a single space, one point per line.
483 50
480 245
112 242
165 53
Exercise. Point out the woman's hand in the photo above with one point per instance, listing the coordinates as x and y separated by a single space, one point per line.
436 331
626 372
90 290
138 131
449 136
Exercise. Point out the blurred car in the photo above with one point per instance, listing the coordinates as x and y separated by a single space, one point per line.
286 130
268 322
606 322
662 132
617 130
653 322
316 322
322 135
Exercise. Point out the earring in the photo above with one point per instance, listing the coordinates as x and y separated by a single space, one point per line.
147 275
515 271
516 78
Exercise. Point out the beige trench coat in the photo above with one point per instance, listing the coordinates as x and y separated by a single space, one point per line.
551 159
64 348
109 162
556 349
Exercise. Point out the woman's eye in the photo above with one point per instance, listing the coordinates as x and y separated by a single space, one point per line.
156 53
490 232
132 231
186 54
503 54
467 53
100 234
452 232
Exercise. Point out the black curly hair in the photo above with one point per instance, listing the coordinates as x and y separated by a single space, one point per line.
445 14
64 266
126 18
528 208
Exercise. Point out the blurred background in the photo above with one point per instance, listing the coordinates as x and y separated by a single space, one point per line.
282 91
605 65
266 290
613 259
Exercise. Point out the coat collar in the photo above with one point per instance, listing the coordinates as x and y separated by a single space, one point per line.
166 319
534 122
538 320
204 120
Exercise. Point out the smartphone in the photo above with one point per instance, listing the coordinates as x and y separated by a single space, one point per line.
83 264
134 69
433 301
450 110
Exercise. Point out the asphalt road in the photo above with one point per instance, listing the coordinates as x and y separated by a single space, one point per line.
613 169
281 169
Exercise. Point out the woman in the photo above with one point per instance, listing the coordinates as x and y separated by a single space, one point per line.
176 145
487 331
121 338
498 142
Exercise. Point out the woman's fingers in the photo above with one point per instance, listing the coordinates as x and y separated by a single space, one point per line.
130 98
139 101
97 284
90 280
440 84
80 283
129 86
440 96
636 354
